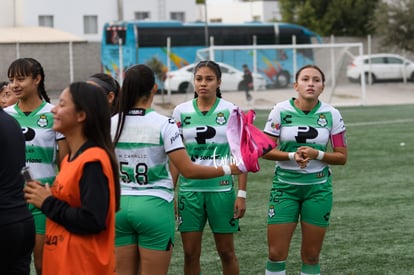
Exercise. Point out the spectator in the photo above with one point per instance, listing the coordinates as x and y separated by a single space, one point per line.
247 81
17 230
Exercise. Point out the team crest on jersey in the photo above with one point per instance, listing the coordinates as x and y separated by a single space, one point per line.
221 119
322 120
42 122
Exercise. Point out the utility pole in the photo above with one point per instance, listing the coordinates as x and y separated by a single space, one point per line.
205 24
204 2
120 10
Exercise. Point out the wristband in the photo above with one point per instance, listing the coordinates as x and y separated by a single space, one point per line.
226 169
241 194
291 155
321 154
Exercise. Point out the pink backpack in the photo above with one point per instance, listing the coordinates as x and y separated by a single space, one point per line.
247 142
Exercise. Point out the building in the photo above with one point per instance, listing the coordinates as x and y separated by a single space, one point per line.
242 11
85 18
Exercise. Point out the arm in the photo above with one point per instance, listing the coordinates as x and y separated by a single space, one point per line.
337 157
240 203
184 166
174 173
276 154
90 218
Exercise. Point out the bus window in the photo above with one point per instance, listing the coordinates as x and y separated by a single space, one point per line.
145 42
114 33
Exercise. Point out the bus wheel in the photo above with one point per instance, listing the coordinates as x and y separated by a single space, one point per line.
282 79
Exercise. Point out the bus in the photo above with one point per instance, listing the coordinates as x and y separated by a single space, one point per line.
125 43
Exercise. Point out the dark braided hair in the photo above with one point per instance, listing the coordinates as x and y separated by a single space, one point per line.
216 69
29 67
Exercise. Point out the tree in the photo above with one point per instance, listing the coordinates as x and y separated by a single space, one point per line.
393 21
327 17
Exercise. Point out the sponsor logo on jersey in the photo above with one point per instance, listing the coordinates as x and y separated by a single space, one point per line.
224 182
275 126
271 212
52 241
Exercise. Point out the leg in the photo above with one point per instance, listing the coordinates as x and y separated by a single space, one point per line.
127 260
312 239
192 252
278 239
38 253
226 251
154 262
17 242
248 96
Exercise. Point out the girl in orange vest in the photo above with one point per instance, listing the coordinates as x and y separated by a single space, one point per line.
80 206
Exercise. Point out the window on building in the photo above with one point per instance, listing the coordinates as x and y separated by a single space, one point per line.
179 16
90 24
216 20
46 21
142 15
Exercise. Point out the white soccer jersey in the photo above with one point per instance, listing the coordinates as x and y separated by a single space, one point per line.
41 140
206 142
296 128
146 139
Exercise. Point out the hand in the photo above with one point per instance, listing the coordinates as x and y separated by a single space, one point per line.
301 159
239 208
308 152
35 193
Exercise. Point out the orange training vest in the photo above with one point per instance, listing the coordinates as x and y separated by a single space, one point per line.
66 253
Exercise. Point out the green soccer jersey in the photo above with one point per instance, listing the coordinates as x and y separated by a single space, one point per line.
205 139
294 128
142 151
41 140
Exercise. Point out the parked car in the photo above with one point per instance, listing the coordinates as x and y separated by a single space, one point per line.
383 67
181 80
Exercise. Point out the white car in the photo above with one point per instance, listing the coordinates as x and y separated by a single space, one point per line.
383 67
181 80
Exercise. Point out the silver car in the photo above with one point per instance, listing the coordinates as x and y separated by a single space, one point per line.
380 67
181 80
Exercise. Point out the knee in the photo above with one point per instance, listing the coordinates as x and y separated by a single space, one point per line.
310 259
227 255
191 257
277 254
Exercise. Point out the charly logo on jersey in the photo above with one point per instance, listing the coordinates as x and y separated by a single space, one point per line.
322 120
221 119
42 122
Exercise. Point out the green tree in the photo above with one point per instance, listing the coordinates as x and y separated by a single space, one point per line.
394 22
327 17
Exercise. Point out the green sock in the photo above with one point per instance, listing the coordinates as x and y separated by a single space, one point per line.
275 266
311 269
